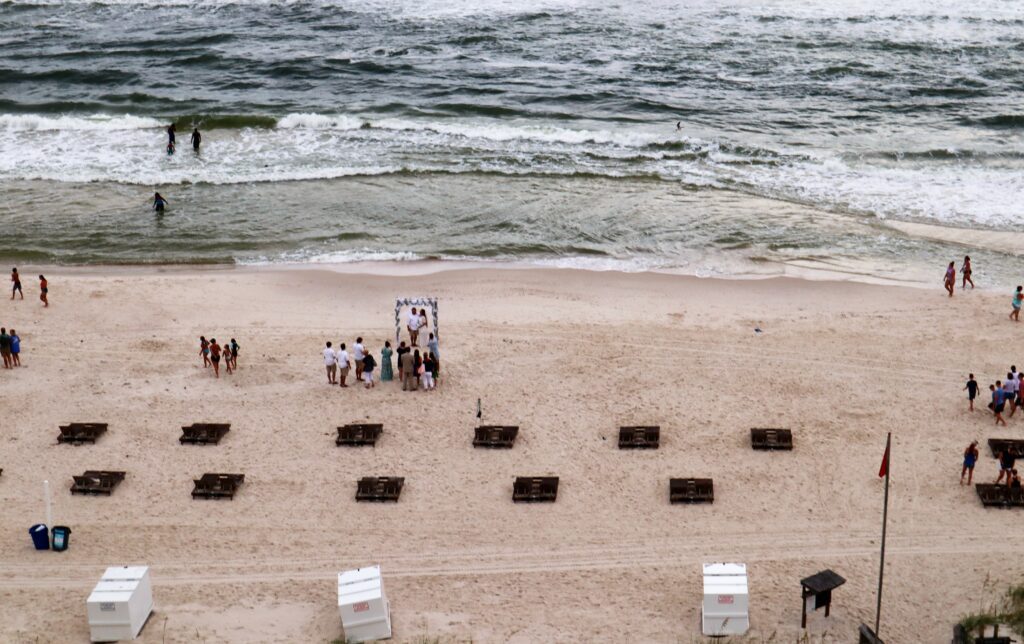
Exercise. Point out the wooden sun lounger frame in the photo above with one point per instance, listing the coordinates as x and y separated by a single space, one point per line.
998 444
379 488
78 433
495 436
359 434
639 436
691 491
203 433
97 482
217 486
771 438
997 495
535 489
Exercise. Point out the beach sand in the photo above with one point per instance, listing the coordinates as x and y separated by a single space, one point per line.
566 355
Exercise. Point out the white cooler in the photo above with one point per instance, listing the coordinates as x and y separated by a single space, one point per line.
120 604
726 608
365 612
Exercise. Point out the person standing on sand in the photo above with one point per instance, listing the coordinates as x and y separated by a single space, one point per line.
386 370
1009 395
197 138
331 362
233 354
402 350
15 349
408 369
43 291
5 348
972 390
215 357
966 270
950 280
432 346
358 356
1007 459
16 288
970 458
1018 297
428 371
204 350
343 365
368 364
414 327
997 402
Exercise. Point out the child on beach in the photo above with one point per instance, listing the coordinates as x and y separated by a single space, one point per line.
204 350
950 280
1014 315
234 354
972 390
5 348
966 270
16 288
43 290
970 458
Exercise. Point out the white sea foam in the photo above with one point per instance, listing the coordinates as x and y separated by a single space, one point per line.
103 122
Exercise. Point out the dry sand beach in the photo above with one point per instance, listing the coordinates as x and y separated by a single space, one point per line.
568 356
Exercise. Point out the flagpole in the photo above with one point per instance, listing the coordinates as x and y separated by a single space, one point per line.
885 516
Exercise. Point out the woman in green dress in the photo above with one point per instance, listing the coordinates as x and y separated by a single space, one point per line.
385 362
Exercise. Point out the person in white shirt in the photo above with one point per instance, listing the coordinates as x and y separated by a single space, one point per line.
415 321
1011 388
343 365
331 362
358 353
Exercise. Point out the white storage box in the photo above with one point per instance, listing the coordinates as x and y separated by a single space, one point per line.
120 604
726 609
365 612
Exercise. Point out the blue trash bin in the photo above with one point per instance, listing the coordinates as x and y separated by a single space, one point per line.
40 536
61 536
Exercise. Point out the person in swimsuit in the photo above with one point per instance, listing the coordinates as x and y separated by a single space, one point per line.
43 290
170 134
227 358
966 270
197 138
972 390
204 350
215 357
950 280
158 202
17 284
1018 297
970 458
234 354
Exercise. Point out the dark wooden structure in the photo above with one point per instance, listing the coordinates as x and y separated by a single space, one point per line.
204 433
771 438
96 482
359 434
78 433
997 445
496 436
865 635
217 486
994 495
817 592
691 491
639 437
379 488
535 489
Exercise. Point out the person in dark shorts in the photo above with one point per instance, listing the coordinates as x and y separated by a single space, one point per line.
233 349
16 288
44 290
1007 459
204 350
197 138
997 403
5 348
970 458
966 270
972 390
215 357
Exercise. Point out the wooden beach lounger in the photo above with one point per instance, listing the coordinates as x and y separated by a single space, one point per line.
78 433
535 489
997 445
204 433
691 491
217 486
96 482
500 436
995 495
771 439
379 488
639 437
359 434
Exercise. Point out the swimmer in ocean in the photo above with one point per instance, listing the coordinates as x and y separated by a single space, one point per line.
159 202
679 125
196 139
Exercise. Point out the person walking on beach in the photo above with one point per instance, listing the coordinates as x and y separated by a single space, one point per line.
233 354
44 289
343 365
1018 297
997 401
159 202
15 349
5 348
1007 459
407 367
972 390
966 270
197 138
16 287
204 351
358 356
950 280
386 370
215 357
226 352
331 362
368 364
970 458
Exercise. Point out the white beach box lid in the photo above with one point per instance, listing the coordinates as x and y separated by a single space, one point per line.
120 603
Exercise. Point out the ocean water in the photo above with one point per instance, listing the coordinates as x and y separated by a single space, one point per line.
527 131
